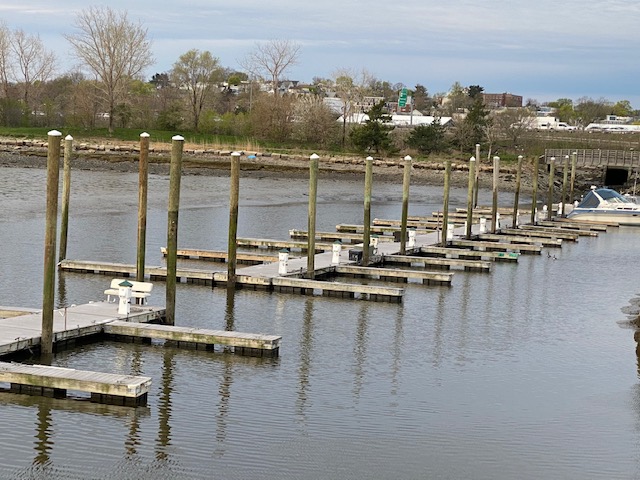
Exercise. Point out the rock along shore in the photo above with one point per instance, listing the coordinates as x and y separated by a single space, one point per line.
198 161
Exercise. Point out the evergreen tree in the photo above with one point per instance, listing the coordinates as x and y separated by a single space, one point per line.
373 136
428 138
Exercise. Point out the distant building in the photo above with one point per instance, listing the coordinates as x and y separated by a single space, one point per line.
501 100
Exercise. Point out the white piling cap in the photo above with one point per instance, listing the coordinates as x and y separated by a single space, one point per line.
145 135
314 156
408 157
54 133
178 138
68 137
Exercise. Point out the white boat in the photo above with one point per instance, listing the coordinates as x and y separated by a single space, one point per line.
606 206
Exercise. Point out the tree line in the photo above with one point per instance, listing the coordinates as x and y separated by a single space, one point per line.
201 95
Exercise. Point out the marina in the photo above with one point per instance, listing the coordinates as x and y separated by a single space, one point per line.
467 362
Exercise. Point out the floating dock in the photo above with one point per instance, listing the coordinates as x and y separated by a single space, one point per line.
252 344
44 380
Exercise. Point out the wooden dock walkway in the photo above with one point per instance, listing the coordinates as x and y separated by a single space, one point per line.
252 344
435 262
44 380
222 257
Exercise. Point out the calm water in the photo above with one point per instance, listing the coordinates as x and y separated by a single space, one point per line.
526 372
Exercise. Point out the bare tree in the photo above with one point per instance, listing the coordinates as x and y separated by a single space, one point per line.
351 87
5 58
315 123
114 49
514 123
271 60
197 73
35 64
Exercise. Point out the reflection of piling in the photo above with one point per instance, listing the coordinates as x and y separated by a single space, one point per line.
143 182
516 198
494 204
313 194
534 192
406 180
66 193
445 206
552 164
53 173
366 237
472 181
234 193
175 173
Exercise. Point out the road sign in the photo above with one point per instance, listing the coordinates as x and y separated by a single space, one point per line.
402 101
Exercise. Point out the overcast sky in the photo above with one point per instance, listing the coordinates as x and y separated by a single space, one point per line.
540 49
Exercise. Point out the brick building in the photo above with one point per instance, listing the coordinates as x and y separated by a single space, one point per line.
501 100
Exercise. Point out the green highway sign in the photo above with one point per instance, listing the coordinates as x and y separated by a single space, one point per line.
402 101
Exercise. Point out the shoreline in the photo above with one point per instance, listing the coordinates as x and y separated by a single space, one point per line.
196 160
29 154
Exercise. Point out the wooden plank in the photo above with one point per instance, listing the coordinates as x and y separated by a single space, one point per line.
553 227
59 378
380 230
498 246
279 244
520 239
466 253
580 225
220 256
541 233
368 291
388 273
345 237
469 265
194 335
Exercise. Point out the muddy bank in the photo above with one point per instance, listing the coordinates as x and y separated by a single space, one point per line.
124 157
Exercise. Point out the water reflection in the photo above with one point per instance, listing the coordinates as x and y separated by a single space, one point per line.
43 443
133 435
224 388
163 441
439 328
360 349
304 368
396 349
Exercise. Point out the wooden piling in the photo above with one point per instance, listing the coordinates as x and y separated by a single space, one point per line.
476 185
51 223
574 160
66 193
234 193
175 173
313 195
494 205
406 180
534 193
366 237
516 198
565 177
552 163
143 182
472 176
445 206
